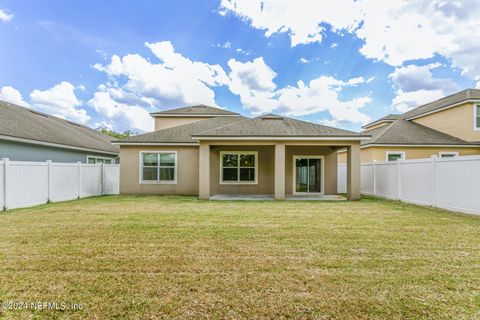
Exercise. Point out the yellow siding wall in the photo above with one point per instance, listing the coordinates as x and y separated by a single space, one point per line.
169 122
383 124
457 121
379 153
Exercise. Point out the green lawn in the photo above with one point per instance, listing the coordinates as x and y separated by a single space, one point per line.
178 257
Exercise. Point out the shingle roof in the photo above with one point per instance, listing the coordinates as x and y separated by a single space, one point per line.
183 133
268 125
196 110
388 118
20 122
273 125
468 94
411 133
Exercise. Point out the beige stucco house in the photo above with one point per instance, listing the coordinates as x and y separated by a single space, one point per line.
206 151
444 128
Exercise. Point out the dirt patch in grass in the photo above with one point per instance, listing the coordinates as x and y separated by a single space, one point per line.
178 257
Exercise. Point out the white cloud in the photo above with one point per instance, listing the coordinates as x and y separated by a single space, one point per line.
406 101
60 101
415 85
12 95
392 31
329 122
304 61
5 16
106 101
175 80
334 45
253 82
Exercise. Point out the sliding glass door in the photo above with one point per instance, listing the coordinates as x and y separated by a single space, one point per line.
308 174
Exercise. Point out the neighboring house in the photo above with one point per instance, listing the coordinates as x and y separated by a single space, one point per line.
444 128
206 151
29 135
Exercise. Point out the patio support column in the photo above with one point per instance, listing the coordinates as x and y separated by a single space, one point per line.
353 172
280 171
204 171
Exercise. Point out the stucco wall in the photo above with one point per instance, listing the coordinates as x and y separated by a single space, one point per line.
457 121
330 166
169 122
187 171
379 153
265 169
29 152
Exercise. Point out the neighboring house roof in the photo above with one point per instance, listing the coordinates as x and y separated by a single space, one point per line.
30 126
465 95
388 118
402 132
194 111
271 125
240 127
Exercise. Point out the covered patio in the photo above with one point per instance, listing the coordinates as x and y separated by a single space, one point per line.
276 170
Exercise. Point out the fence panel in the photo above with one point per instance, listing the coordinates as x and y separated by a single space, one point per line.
417 181
2 184
342 178
386 180
111 179
91 180
458 184
449 183
26 184
64 183
367 182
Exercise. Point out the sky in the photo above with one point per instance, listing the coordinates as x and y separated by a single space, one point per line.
343 63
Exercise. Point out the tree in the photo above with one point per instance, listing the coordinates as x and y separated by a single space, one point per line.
115 134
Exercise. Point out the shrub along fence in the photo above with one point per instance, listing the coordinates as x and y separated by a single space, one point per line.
449 183
26 183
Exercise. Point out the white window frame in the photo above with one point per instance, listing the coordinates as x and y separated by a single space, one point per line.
104 158
255 153
475 115
140 168
388 153
442 153
295 175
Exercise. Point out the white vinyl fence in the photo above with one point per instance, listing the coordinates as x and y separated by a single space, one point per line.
26 183
449 183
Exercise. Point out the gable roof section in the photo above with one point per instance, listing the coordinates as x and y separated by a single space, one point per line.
30 126
194 111
388 118
181 134
402 132
462 96
271 125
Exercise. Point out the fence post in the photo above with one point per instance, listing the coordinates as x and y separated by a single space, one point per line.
49 180
79 165
374 177
6 178
102 172
399 180
434 180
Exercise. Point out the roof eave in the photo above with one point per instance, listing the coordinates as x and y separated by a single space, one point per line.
55 145
313 138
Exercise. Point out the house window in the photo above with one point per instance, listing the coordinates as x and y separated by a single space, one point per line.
158 167
395 155
477 117
238 167
448 154
97 160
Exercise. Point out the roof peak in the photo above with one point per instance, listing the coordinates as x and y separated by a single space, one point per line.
194 110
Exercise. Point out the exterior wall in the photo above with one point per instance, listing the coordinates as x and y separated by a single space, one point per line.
379 153
265 178
457 121
169 122
187 171
330 166
17 151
